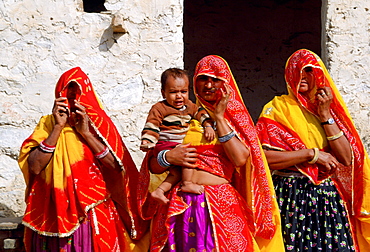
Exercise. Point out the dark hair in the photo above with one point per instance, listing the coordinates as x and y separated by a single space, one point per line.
175 73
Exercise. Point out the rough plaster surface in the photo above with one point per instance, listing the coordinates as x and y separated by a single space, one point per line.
40 40
347 42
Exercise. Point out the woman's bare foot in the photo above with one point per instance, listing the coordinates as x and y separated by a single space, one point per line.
158 195
190 187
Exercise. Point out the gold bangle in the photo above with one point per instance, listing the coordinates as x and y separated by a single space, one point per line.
315 156
331 138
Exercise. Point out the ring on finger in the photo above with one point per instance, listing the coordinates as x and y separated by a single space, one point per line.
332 164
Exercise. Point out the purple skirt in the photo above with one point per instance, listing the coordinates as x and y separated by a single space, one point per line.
192 230
79 241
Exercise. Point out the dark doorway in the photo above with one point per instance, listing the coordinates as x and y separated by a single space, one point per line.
255 37
96 6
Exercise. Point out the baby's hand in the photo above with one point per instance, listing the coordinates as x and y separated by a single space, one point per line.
209 133
146 145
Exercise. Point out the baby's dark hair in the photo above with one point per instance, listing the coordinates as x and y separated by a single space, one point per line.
175 73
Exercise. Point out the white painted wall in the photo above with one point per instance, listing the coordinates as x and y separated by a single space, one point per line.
347 40
39 40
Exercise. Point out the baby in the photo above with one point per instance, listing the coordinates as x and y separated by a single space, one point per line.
167 124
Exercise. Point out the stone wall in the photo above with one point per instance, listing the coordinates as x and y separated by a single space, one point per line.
347 50
40 40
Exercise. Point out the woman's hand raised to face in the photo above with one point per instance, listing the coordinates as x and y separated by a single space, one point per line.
324 98
341 147
60 111
222 104
81 119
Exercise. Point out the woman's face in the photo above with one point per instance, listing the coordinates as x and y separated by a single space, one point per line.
72 92
208 88
307 82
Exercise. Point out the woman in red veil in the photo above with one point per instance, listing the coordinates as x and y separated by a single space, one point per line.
320 167
77 171
237 211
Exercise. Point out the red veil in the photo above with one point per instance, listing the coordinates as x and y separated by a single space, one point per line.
251 181
288 122
74 181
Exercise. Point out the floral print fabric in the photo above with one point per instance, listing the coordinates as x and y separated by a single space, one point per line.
313 216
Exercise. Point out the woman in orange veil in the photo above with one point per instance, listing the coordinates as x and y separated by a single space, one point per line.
320 166
74 165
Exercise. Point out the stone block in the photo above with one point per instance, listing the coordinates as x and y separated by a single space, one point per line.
118 24
10 243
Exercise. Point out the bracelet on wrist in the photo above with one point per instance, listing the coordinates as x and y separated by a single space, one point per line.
226 137
103 153
161 158
336 136
46 148
315 156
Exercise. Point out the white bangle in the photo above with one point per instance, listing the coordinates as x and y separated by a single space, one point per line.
46 148
226 137
161 158
103 153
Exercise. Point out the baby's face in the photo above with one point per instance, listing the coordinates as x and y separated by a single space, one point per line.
176 91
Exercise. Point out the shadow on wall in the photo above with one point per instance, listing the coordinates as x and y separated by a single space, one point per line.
6 212
108 39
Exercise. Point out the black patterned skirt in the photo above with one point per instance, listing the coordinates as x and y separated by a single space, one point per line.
313 217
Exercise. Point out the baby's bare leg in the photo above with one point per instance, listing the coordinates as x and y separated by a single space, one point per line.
187 184
172 178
